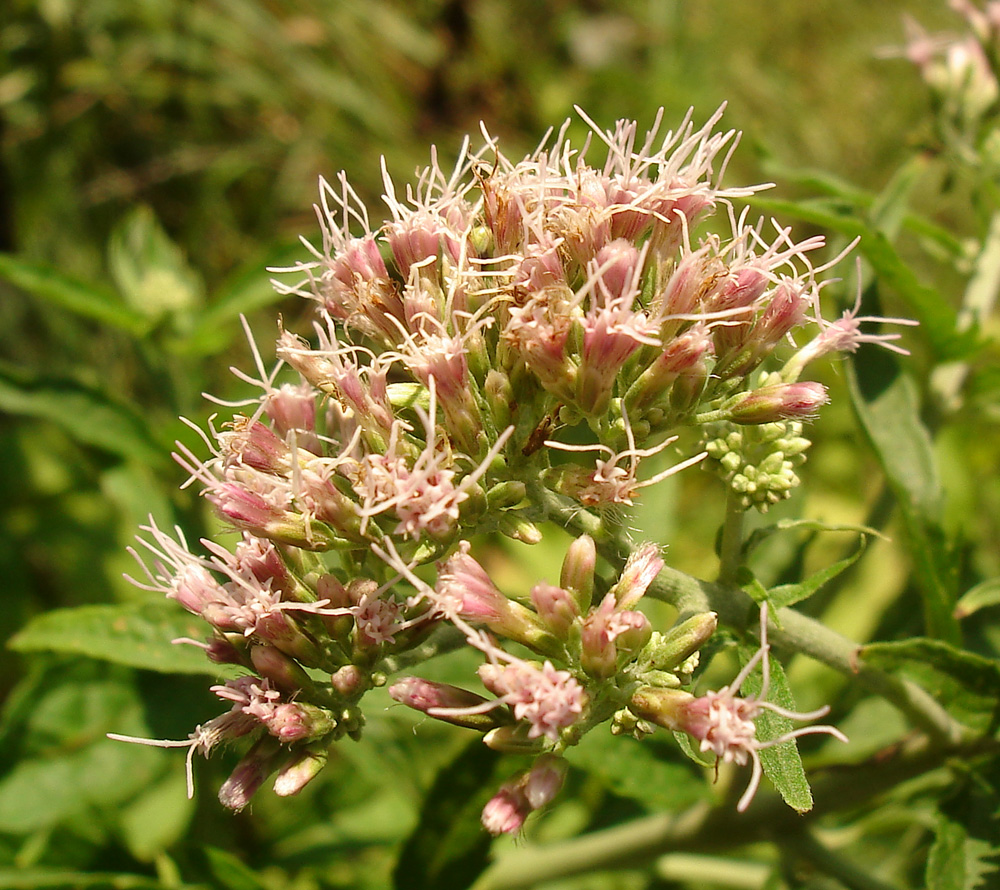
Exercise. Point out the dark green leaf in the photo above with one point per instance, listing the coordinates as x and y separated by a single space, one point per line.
632 769
966 684
957 861
888 408
81 297
89 415
62 879
449 846
133 634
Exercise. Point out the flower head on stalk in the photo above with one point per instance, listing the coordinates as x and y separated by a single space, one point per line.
723 721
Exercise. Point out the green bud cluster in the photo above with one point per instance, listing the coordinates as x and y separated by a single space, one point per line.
757 463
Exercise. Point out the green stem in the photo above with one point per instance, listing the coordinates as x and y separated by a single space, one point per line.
731 541
790 630
703 829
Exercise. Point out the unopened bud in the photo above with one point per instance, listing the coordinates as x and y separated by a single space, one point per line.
350 681
664 707
544 780
257 764
445 702
303 767
285 673
780 401
667 651
577 574
556 607
513 739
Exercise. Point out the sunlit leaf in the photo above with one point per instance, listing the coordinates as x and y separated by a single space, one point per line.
888 407
782 762
133 634
83 298
91 416
149 269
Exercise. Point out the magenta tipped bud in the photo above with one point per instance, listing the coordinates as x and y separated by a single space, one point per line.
257 764
285 673
556 607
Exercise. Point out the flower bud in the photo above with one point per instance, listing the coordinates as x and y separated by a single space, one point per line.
513 739
300 770
577 575
433 698
255 766
556 607
664 707
666 651
779 401
544 780
285 673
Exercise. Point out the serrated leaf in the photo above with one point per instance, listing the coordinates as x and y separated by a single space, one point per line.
632 769
958 861
966 684
449 846
133 634
89 415
983 595
888 408
83 298
149 269
782 763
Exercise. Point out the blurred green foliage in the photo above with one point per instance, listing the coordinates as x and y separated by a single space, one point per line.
158 155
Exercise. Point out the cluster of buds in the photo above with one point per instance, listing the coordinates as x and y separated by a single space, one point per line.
517 334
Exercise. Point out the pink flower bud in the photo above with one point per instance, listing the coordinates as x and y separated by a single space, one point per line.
544 780
577 575
556 607
257 764
779 401
506 811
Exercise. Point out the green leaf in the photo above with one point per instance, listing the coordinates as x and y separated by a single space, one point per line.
81 297
230 872
789 594
888 408
61 879
938 320
957 861
133 634
449 846
632 769
782 763
248 290
87 414
149 269
159 817
966 684
983 595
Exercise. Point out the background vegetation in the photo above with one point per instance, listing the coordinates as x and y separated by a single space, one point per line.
158 155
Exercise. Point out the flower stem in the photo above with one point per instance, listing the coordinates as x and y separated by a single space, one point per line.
790 630
731 540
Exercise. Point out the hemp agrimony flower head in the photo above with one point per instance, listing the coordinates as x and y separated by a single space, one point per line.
512 345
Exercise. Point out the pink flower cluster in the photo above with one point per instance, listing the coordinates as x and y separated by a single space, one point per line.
516 332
